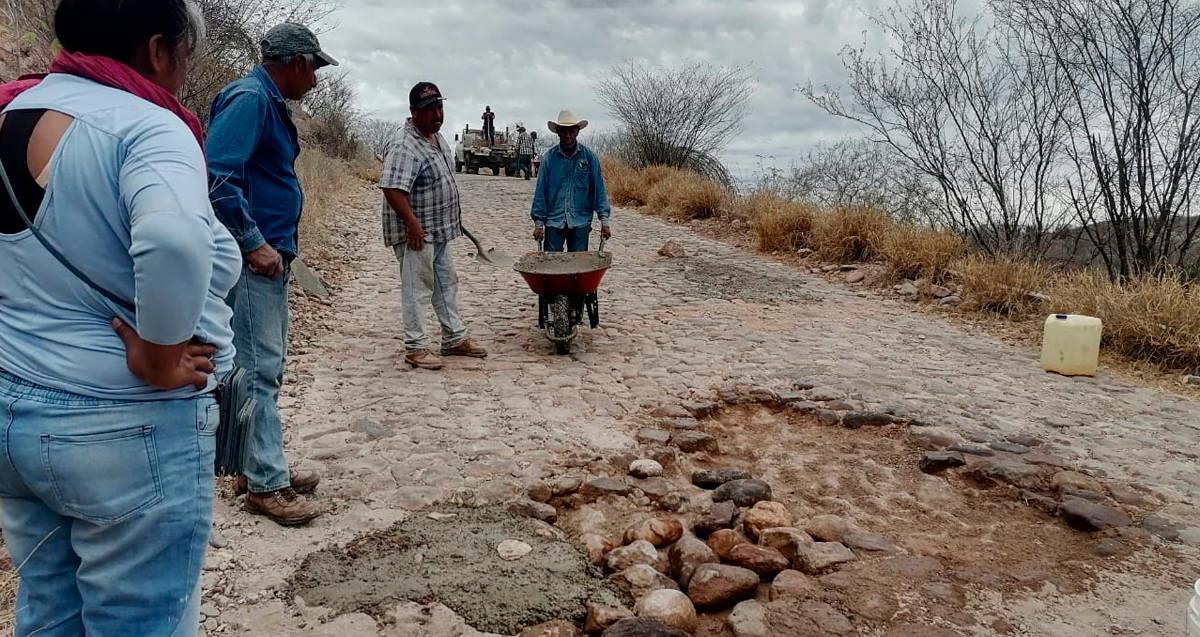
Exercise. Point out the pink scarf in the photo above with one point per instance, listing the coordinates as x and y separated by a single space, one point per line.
111 73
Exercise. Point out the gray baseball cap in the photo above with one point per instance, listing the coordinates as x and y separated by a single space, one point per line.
290 39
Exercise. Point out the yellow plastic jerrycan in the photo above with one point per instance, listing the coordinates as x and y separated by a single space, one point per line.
1071 344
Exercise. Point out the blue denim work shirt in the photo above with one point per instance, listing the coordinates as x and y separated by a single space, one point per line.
570 190
252 148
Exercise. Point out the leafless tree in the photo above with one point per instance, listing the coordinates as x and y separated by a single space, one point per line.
859 172
956 100
336 119
377 134
680 117
1132 70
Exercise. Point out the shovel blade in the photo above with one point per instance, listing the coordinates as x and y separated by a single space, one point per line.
493 256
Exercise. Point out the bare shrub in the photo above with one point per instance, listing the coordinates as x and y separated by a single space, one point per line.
960 103
336 119
376 134
681 117
847 235
779 223
1004 285
915 253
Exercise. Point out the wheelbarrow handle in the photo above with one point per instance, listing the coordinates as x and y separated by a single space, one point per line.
602 242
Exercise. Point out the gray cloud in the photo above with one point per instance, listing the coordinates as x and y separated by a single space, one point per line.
529 60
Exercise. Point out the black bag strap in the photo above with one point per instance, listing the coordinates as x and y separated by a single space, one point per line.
12 195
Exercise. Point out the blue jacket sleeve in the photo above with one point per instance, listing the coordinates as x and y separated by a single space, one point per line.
599 193
541 195
234 134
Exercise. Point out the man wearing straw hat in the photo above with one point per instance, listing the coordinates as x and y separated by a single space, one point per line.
570 191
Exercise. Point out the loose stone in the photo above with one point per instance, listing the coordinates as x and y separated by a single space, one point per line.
641 579
695 441
713 478
600 617
939 461
670 607
765 561
765 515
606 486
786 540
860 419
749 618
971 449
723 541
527 508
744 493
653 436
655 531
597 546
793 585
719 516
820 556
645 468
640 552
512 550
686 555
639 627
1090 516
716 586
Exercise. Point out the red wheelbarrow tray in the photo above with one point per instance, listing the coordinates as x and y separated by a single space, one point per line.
564 272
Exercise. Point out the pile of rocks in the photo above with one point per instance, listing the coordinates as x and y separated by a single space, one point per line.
677 569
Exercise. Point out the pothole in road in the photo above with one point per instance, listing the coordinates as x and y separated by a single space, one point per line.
712 278
451 558
930 555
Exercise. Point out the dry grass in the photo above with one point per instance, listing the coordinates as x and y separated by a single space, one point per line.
779 223
625 184
686 195
917 253
848 235
1150 318
1003 285
323 179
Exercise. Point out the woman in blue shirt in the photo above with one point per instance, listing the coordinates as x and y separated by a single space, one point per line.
107 418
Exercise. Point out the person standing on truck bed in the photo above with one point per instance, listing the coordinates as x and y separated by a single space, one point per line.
489 125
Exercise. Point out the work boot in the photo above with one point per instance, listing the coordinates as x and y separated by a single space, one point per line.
468 348
284 507
424 359
302 482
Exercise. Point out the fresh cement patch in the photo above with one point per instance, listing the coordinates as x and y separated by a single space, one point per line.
451 557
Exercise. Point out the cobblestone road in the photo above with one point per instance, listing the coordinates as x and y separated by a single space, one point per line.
391 440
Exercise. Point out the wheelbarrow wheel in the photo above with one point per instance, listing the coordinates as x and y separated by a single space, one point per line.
560 323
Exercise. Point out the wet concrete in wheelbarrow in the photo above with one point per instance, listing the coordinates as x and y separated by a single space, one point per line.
451 557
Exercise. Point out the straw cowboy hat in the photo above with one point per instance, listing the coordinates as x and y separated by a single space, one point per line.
566 119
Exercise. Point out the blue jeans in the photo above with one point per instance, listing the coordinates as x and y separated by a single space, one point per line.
427 276
106 508
260 334
525 165
576 239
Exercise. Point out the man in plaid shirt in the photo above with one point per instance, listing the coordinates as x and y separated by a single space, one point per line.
525 152
421 216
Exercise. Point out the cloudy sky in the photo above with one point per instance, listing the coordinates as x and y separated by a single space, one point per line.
528 59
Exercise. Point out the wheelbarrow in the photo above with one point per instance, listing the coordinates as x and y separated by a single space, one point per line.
566 284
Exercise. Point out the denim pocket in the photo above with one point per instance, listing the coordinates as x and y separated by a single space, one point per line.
104 477
210 418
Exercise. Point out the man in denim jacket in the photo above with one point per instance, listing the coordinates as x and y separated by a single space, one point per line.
570 191
252 150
